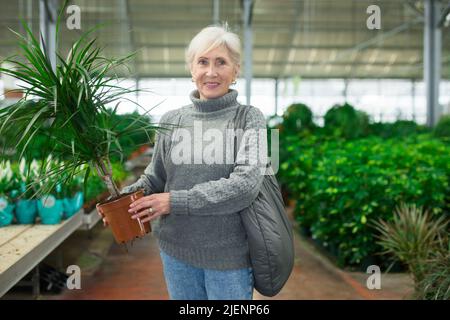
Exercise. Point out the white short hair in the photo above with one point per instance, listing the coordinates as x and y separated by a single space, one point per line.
211 38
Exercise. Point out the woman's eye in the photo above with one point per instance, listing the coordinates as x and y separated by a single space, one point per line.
203 62
221 62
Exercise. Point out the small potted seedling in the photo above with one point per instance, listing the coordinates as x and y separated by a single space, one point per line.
26 207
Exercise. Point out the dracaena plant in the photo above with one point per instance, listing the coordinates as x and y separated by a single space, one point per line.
27 173
68 106
51 165
413 238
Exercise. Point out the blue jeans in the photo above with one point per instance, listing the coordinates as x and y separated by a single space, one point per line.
186 282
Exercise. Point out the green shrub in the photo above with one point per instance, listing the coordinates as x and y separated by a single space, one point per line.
435 284
398 129
442 129
296 118
420 242
341 185
344 121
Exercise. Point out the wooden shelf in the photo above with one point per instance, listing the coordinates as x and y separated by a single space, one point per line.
22 247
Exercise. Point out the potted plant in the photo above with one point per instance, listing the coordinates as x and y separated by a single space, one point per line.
421 242
68 106
73 195
26 208
50 205
7 190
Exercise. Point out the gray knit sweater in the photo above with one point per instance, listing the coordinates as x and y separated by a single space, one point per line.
203 227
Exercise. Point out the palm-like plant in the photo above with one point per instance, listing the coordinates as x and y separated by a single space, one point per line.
436 283
68 105
413 237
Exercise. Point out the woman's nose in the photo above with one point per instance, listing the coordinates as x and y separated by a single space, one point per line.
211 71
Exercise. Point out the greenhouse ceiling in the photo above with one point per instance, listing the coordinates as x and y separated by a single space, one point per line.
305 38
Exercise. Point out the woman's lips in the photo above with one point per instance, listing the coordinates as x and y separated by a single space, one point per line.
212 85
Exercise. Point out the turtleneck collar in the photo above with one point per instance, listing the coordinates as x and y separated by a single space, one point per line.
210 105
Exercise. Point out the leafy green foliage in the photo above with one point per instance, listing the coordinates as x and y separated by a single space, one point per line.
398 129
442 129
133 141
342 185
421 243
9 181
435 284
296 118
69 107
345 121
37 149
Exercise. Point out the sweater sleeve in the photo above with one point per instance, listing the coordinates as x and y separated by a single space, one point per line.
154 178
238 191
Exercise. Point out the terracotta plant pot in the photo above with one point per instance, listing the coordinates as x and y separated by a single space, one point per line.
119 219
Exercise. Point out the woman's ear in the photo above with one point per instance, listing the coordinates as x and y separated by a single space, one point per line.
237 70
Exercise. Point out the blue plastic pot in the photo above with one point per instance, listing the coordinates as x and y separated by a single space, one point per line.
26 211
73 205
6 212
50 210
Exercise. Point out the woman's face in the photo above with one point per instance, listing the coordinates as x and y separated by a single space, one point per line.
213 72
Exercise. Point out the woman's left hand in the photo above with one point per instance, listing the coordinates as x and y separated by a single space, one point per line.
150 207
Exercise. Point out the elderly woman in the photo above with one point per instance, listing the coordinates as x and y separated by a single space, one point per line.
194 204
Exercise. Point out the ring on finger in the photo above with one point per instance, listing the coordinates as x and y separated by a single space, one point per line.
150 210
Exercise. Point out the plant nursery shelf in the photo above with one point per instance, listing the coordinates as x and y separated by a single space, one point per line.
22 247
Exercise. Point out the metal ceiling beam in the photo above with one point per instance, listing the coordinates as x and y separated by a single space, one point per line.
373 76
175 25
129 34
375 40
432 60
126 10
47 24
216 11
296 63
257 47
293 33
248 46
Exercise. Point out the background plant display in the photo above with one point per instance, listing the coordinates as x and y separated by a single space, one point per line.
341 182
68 107
37 149
17 182
8 188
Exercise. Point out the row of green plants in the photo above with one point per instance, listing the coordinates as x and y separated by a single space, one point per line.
18 189
339 186
344 121
350 172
